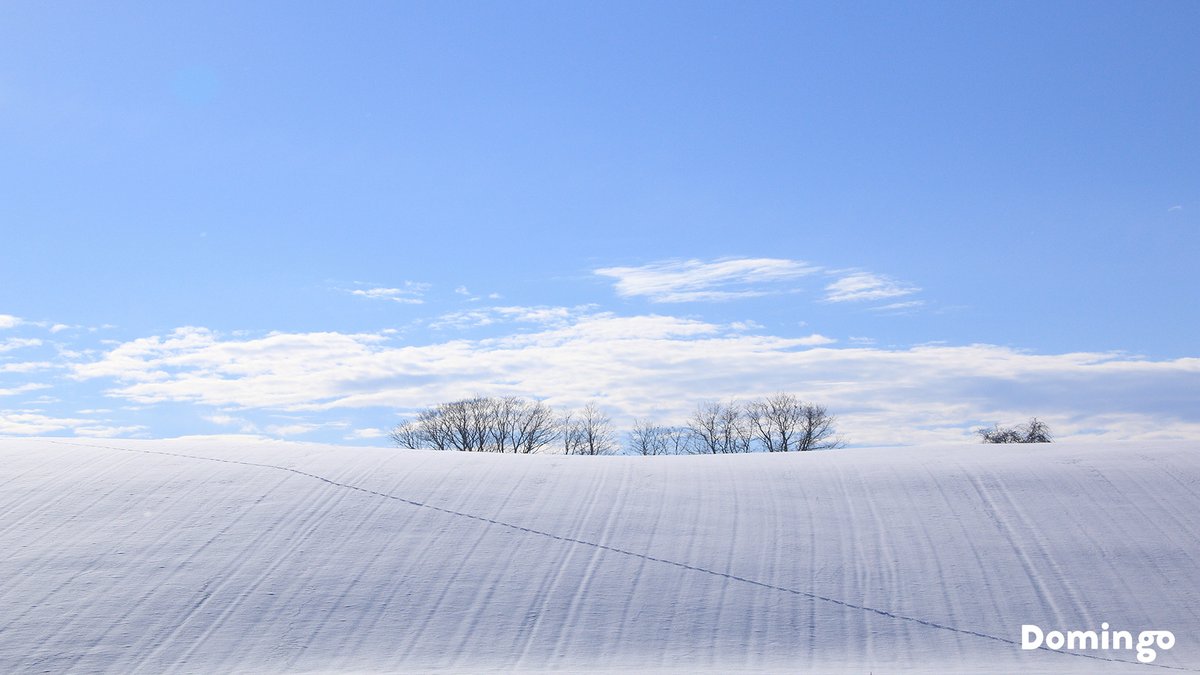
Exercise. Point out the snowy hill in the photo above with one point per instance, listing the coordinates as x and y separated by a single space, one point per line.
235 556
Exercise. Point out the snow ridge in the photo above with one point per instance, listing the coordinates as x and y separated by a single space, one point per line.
206 555
643 556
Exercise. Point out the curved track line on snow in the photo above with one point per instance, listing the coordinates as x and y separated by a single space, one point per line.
634 554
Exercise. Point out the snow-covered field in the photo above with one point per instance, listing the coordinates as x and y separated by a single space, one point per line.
234 556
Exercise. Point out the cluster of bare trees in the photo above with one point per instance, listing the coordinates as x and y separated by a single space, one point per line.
1033 431
588 432
508 424
777 423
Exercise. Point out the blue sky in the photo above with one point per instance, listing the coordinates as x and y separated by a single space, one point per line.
303 220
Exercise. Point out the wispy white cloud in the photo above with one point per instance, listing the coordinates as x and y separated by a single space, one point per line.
10 321
296 429
748 324
367 433
108 430
226 420
18 343
697 280
860 286
34 423
472 297
409 294
900 307
735 278
26 422
487 316
660 366
188 350
23 388
26 366
815 340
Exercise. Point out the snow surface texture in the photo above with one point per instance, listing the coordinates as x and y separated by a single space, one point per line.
209 556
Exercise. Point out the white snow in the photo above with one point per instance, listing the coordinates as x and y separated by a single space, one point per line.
135 558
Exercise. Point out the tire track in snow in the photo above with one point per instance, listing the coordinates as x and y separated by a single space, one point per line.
612 549
543 596
12 500
466 565
735 513
984 493
583 583
629 612
778 563
295 529
944 496
501 567
213 586
853 547
129 541
363 622
14 584
1045 551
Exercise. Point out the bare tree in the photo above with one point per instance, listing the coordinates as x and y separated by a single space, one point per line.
535 429
503 414
705 427
647 438
816 429
428 430
735 430
465 423
588 432
718 427
1033 431
998 434
777 421
481 424
570 433
409 435
1036 431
